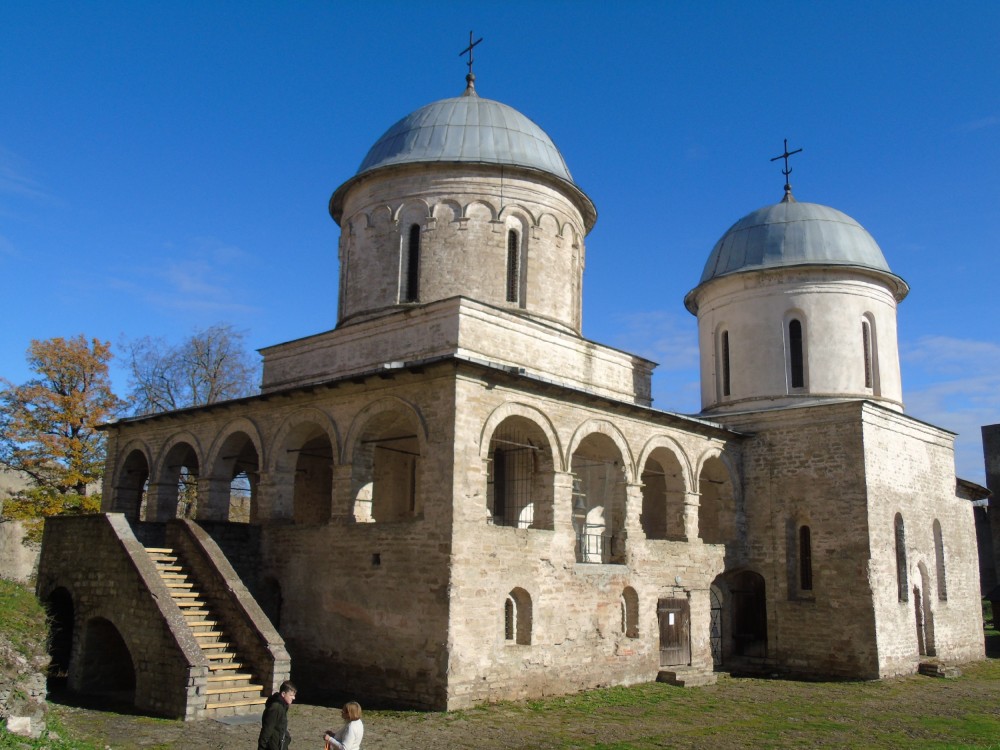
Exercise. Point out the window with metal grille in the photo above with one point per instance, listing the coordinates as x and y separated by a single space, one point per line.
805 559
511 478
513 266
412 291
795 354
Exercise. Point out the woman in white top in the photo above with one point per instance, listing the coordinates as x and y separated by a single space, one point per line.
348 737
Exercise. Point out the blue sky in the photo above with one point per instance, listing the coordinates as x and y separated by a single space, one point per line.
166 166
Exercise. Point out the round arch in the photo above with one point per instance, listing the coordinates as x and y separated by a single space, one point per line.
602 427
372 410
532 414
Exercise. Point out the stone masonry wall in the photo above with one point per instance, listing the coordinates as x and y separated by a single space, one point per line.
102 567
911 471
576 625
805 467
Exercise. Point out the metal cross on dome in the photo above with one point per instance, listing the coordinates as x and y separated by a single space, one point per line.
787 170
469 50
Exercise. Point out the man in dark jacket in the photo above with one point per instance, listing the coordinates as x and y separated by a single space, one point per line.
274 722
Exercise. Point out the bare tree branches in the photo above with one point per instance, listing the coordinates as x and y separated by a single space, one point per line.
211 365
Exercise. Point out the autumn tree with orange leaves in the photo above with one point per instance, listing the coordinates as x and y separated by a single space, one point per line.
48 425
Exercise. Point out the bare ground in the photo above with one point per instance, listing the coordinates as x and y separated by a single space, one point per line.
917 712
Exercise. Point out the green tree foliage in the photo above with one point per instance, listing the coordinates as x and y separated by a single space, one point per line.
48 426
211 365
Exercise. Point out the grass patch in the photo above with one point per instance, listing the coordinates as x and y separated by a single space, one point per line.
22 619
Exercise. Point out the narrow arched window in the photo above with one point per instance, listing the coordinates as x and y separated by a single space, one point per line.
795 354
725 363
630 612
513 266
942 584
901 579
805 559
517 618
866 342
412 290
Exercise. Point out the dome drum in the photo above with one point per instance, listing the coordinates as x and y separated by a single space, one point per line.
516 244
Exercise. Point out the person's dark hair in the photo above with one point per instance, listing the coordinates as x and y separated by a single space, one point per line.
287 687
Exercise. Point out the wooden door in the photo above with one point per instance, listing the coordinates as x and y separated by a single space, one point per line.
674 616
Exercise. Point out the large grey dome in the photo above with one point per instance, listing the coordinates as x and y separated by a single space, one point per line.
791 234
467 129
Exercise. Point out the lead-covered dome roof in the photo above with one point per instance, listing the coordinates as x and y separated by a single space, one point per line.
792 233
467 129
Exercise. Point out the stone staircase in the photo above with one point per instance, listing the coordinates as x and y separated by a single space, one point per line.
231 689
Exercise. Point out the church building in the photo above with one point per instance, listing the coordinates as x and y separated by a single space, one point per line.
454 497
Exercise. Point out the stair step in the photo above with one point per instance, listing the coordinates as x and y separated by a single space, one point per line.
240 677
200 623
235 704
233 665
220 656
207 633
186 595
160 550
223 645
248 688
167 576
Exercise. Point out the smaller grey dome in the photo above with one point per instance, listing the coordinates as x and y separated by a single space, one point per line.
791 234
467 129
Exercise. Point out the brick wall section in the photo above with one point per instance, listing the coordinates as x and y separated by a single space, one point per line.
109 575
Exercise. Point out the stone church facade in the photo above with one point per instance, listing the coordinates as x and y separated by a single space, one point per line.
453 497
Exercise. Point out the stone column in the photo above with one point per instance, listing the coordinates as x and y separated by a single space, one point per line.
161 501
213 498
269 503
341 502
692 503
562 513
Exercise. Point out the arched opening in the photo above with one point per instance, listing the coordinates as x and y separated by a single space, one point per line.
179 483
630 612
662 515
519 476
942 581
311 458
715 624
59 607
924 613
384 468
805 559
749 614
902 583
513 266
233 495
411 267
133 483
517 618
725 385
717 522
796 354
106 666
598 501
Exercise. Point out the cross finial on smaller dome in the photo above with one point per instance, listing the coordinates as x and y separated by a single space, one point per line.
789 198
470 78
